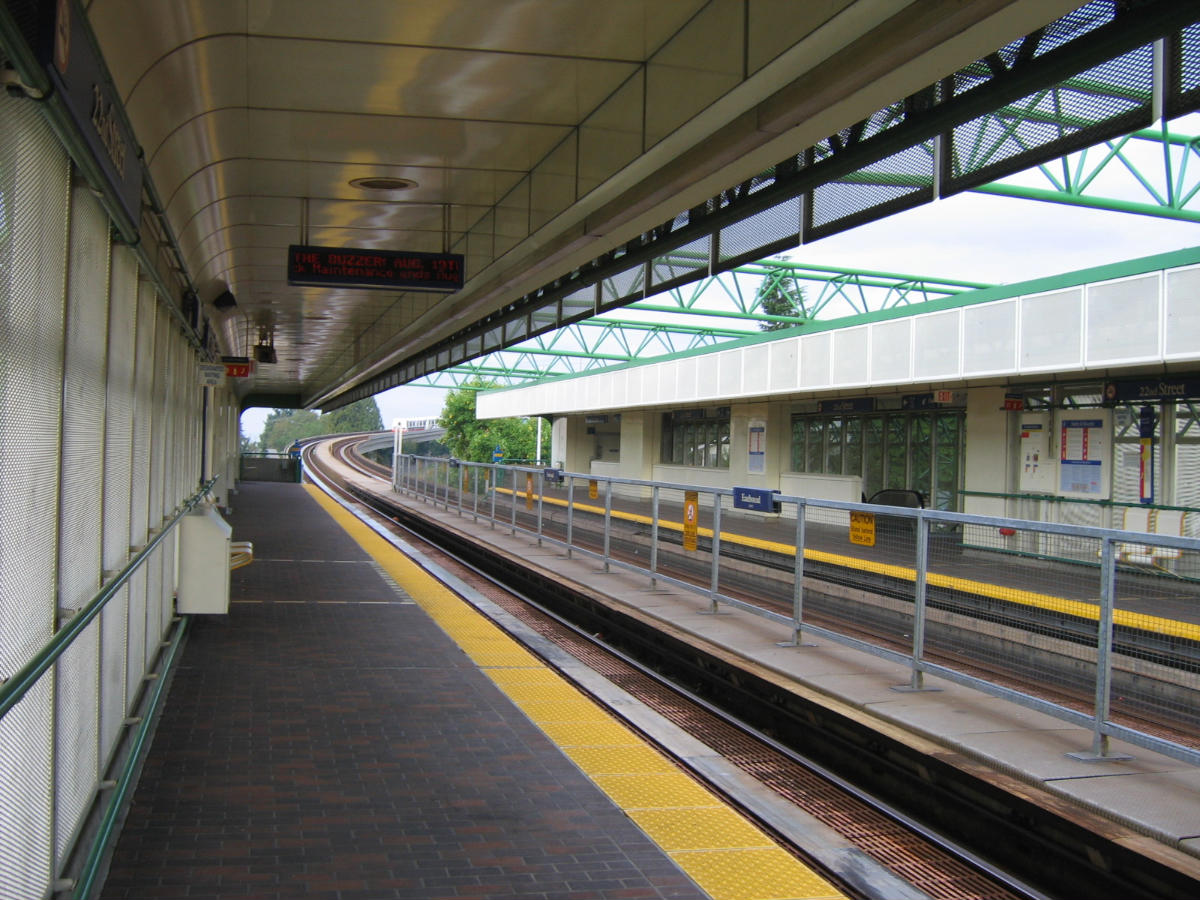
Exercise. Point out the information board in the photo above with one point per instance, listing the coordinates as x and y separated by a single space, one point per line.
402 270
1085 453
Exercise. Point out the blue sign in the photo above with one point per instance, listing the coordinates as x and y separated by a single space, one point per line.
498 455
758 499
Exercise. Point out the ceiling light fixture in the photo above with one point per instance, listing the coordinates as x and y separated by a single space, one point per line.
383 183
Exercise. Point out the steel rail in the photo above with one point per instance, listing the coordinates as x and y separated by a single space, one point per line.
852 874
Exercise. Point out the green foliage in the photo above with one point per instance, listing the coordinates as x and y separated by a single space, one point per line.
284 426
780 295
473 440
361 415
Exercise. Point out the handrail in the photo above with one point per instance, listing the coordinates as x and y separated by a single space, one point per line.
1005 495
19 685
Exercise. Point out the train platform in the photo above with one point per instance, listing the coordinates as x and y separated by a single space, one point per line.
351 730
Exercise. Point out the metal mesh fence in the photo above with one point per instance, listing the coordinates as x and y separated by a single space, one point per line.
33 235
1056 120
987 601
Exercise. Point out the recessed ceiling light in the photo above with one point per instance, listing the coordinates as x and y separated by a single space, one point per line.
383 183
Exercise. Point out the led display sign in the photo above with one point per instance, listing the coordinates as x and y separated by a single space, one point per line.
397 270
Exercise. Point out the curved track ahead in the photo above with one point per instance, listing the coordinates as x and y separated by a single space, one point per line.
949 872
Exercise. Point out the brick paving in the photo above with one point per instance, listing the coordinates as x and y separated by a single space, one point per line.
327 741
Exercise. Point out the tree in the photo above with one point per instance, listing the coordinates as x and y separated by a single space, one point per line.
473 440
780 295
361 415
283 426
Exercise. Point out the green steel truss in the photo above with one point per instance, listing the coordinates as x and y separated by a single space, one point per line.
1151 172
702 314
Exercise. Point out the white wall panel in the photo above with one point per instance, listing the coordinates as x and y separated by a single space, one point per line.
730 366
1052 330
686 377
756 369
1123 320
936 345
708 378
785 364
891 350
850 356
990 338
816 352
1183 314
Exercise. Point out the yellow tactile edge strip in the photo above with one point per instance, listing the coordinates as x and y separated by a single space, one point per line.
723 852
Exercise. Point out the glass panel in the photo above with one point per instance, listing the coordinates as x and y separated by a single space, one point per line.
873 450
689 445
816 446
677 451
896 452
852 447
798 456
723 433
833 458
921 450
948 430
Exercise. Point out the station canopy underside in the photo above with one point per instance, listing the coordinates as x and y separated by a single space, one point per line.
621 180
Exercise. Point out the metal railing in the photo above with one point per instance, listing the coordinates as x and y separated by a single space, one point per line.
948 595
13 689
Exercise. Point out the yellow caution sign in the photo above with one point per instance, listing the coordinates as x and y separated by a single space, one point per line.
691 517
862 528
529 490
593 489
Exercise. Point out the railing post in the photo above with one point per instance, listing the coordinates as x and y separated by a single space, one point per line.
607 521
513 520
917 682
541 496
570 511
494 474
1104 635
653 535
715 579
460 475
798 578
474 493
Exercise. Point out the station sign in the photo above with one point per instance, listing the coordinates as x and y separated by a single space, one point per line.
211 374
396 270
1153 389
848 405
757 499
237 366
57 32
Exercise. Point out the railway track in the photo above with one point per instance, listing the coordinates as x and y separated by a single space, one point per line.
692 688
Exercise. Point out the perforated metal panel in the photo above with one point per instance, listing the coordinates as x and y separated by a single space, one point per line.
80 522
33 204
118 444
1069 116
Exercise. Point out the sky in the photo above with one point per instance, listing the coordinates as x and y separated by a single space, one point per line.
973 237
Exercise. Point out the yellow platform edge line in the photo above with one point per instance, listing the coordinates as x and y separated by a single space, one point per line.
1079 608
759 872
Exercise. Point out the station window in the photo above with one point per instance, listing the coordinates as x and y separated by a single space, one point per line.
696 438
921 451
